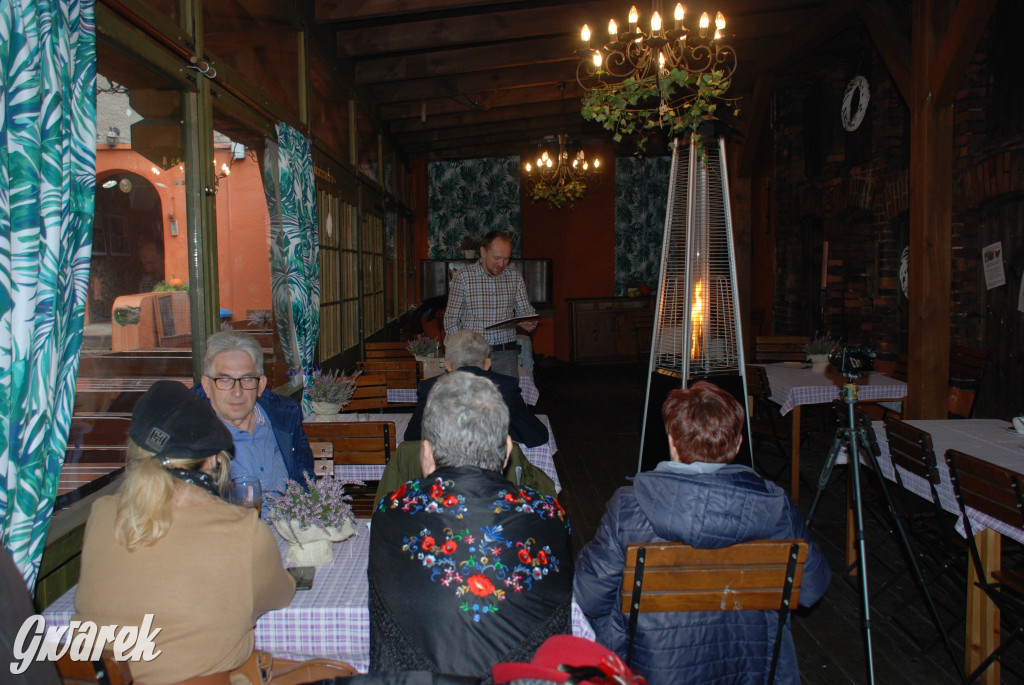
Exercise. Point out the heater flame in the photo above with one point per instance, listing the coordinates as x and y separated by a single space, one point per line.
697 316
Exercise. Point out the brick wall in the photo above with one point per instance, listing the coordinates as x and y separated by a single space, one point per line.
862 210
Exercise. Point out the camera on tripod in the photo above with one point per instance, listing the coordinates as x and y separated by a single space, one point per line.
852 360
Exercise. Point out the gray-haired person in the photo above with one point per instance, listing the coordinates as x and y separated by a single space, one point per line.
464 549
266 428
468 351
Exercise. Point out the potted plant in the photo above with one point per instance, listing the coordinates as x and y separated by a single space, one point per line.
311 519
329 392
817 351
422 347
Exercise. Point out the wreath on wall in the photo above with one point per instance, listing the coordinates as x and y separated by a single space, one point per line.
852 116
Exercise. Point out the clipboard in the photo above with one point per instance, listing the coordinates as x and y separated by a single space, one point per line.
514 321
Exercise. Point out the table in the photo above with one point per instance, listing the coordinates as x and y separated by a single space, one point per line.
986 439
330 621
794 384
541 456
408 395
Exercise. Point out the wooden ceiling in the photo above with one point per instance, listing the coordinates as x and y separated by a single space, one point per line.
466 78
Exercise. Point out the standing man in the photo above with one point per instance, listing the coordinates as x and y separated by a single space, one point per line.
466 569
266 428
488 292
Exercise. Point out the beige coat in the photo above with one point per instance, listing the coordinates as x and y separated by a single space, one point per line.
206 582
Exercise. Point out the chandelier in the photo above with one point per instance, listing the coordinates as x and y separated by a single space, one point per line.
559 180
666 77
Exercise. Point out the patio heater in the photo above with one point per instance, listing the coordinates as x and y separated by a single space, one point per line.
697 333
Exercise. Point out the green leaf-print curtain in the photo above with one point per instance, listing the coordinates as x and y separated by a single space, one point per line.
641 199
468 198
47 183
294 247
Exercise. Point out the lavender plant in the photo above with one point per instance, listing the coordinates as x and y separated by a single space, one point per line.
422 346
324 505
331 388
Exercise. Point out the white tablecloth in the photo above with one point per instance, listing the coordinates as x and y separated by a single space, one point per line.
792 385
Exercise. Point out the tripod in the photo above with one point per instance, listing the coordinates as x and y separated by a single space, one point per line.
856 441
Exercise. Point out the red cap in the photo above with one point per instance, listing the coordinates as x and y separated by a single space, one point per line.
573 653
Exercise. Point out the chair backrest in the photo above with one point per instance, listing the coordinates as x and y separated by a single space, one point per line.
757 383
761 575
966 367
911 448
988 488
106 671
387 350
781 348
399 373
355 442
371 393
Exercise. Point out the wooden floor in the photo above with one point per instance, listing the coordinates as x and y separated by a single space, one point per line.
595 413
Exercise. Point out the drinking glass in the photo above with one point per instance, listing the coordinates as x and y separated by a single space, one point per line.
246 492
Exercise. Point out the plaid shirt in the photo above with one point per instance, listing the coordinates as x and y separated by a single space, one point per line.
476 300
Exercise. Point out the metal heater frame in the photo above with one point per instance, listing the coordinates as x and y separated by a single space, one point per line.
700 176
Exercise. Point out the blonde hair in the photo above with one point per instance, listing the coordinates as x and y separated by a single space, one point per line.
144 500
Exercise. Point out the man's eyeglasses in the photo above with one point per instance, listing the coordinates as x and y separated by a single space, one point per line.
228 383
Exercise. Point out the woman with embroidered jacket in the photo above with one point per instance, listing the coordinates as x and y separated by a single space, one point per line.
702 499
168 545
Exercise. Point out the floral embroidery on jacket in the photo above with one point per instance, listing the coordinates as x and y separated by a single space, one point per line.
483 569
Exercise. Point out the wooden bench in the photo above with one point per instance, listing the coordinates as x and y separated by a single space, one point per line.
371 393
355 442
780 348
387 350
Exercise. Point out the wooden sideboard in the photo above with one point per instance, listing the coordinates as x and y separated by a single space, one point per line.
610 329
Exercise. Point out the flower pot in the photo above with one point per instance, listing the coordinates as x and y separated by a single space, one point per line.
819 362
312 546
326 408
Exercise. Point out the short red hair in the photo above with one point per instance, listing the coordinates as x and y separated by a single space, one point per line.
705 423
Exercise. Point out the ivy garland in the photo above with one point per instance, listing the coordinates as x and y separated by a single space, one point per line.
557 197
676 100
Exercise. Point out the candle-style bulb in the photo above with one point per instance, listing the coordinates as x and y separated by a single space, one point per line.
585 34
597 163
528 168
705 20
598 59
655 22
720 21
679 13
634 17
613 28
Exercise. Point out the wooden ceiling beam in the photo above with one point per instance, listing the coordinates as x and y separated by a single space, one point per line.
481 102
528 77
463 60
568 110
549 126
355 10
957 48
891 43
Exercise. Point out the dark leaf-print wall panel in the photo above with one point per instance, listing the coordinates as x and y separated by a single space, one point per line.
469 198
641 196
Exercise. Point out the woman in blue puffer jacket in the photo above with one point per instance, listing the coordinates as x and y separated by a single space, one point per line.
702 499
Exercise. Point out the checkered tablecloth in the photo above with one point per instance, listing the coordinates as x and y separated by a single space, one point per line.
792 385
987 439
330 621
408 395
541 456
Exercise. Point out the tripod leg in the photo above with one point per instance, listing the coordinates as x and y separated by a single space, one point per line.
908 550
858 510
826 473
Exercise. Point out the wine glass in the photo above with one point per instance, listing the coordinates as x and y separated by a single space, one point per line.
246 492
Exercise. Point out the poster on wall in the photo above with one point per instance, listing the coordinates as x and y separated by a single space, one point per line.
992 256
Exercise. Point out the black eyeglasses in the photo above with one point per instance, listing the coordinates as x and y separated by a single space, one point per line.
228 383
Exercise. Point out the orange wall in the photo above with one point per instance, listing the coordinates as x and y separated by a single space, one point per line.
579 241
243 248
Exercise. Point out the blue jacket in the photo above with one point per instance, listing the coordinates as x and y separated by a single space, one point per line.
706 510
285 417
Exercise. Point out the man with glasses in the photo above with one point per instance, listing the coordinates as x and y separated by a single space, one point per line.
267 428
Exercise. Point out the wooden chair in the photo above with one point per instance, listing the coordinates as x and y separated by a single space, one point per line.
398 373
931 529
760 575
966 367
106 671
994 491
371 393
765 421
788 348
874 408
355 442
387 350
